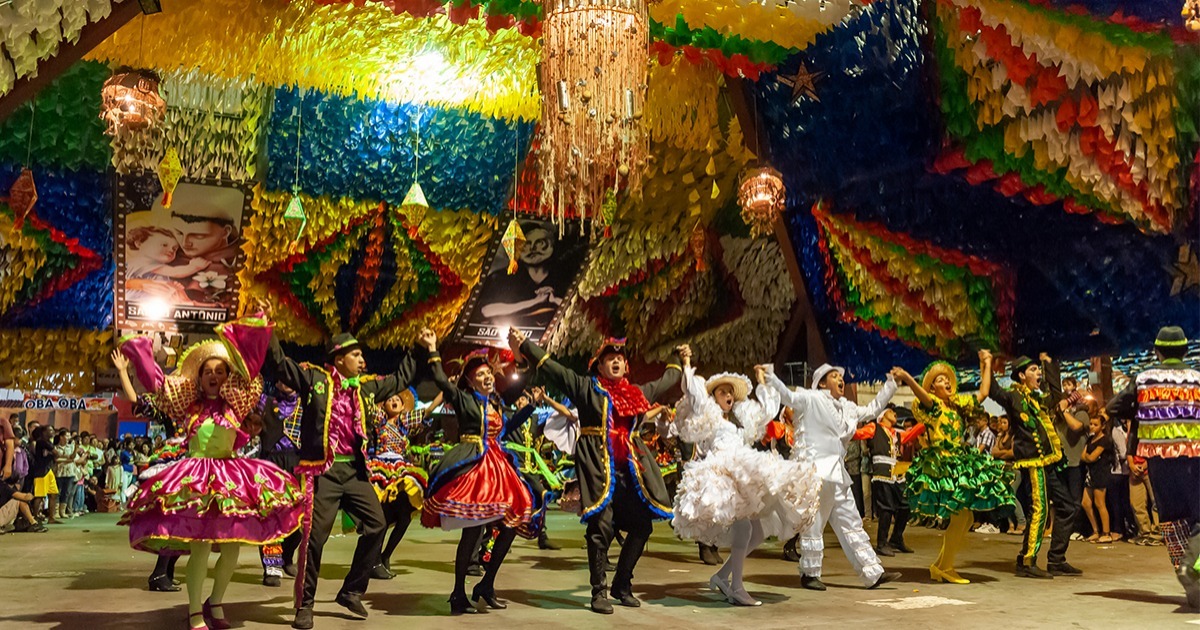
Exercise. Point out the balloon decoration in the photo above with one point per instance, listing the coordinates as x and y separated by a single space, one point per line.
912 290
1072 109
34 32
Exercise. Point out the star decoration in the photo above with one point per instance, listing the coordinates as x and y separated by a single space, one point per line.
803 83
1186 271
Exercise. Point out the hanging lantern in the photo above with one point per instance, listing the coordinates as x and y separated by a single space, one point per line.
169 172
593 82
698 244
513 242
414 206
131 100
762 197
295 212
22 196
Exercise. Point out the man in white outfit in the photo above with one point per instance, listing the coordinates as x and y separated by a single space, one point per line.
825 422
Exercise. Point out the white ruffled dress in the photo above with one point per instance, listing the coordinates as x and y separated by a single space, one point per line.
733 481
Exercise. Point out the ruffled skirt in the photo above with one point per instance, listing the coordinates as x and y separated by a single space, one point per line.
248 501
394 478
738 483
942 483
489 490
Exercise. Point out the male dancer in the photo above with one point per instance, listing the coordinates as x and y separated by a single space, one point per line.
825 421
885 440
620 483
333 442
1037 450
1161 404
280 413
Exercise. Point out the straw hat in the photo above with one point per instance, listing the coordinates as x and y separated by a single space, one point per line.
740 384
936 369
198 354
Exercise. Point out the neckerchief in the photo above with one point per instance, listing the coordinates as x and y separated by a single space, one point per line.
627 398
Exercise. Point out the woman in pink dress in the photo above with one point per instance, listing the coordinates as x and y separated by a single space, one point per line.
210 498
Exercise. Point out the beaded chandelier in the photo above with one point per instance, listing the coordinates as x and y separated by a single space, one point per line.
762 197
593 83
131 100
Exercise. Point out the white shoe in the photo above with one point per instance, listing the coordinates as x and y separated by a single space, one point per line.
988 528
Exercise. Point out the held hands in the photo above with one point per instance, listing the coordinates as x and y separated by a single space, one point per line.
760 374
1044 357
427 339
119 361
985 357
900 374
515 339
685 353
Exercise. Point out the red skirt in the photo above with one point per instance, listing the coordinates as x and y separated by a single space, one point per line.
491 490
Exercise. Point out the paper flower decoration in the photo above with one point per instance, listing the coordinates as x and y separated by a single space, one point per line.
513 242
169 172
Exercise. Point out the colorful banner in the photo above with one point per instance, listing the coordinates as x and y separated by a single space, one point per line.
177 268
530 298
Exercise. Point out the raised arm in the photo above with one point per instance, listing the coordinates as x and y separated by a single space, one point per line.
278 367
871 410
122 365
670 378
576 386
247 339
1052 374
452 394
985 375
520 417
385 387
924 398
798 400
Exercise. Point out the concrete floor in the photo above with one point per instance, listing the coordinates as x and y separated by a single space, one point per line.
83 575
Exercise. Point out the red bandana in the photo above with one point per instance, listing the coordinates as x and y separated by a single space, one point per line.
627 399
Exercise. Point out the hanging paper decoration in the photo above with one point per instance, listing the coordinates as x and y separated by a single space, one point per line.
608 212
593 81
22 196
696 243
295 212
169 172
131 100
802 82
1185 271
513 242
762 197
414 205
34 32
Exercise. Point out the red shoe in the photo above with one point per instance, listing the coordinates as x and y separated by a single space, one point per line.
213 622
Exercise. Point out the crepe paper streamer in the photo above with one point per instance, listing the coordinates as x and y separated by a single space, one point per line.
169 172
66 131
34 32
68 359
513 242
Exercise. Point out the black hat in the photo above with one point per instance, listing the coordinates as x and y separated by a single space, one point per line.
611 345
902 413
1019 365
1170 337
472 362
341 342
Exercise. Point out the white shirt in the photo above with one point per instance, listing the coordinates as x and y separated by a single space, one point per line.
825 425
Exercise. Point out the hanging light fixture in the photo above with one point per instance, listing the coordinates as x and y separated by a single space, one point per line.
1191 14
131 100
762 197
593 83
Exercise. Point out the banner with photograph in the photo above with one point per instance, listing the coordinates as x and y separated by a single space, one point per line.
529 299
177 268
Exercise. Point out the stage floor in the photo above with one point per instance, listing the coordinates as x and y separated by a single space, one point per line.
83 575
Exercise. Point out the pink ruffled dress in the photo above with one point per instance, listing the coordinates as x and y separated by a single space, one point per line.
211 495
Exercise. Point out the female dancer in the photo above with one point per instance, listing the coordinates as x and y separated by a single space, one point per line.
735 494
477 482
399 483
209 498
948 479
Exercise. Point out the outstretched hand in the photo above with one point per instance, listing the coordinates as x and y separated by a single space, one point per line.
119 361
760 374
515 339
899 374
427 339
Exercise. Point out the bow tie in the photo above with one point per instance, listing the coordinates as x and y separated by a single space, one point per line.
350 382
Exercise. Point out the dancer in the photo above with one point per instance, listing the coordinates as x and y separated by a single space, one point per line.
620 484
1161 403
209 498
948 479
399 483
280 412
528 442
1037 450
825 422
888 491
333 460
735 494
477 483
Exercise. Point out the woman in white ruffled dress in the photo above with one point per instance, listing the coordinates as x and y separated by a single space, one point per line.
736 495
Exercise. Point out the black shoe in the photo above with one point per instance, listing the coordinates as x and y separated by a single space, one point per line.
710 555
789 551
812 583
900 547
626 599
460 605
271 580
609 567
884 551
162 584
1032 571
544 543
1062 568
888 576
488 598
303 620
289 569
600 603
475 570
353 603
381 572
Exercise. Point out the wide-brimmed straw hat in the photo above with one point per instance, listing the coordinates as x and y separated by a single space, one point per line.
740 384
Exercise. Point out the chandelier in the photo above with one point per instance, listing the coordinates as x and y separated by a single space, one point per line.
593 83
131 100
1191 14
762 197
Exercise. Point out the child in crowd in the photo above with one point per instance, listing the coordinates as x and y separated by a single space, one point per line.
1098 459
